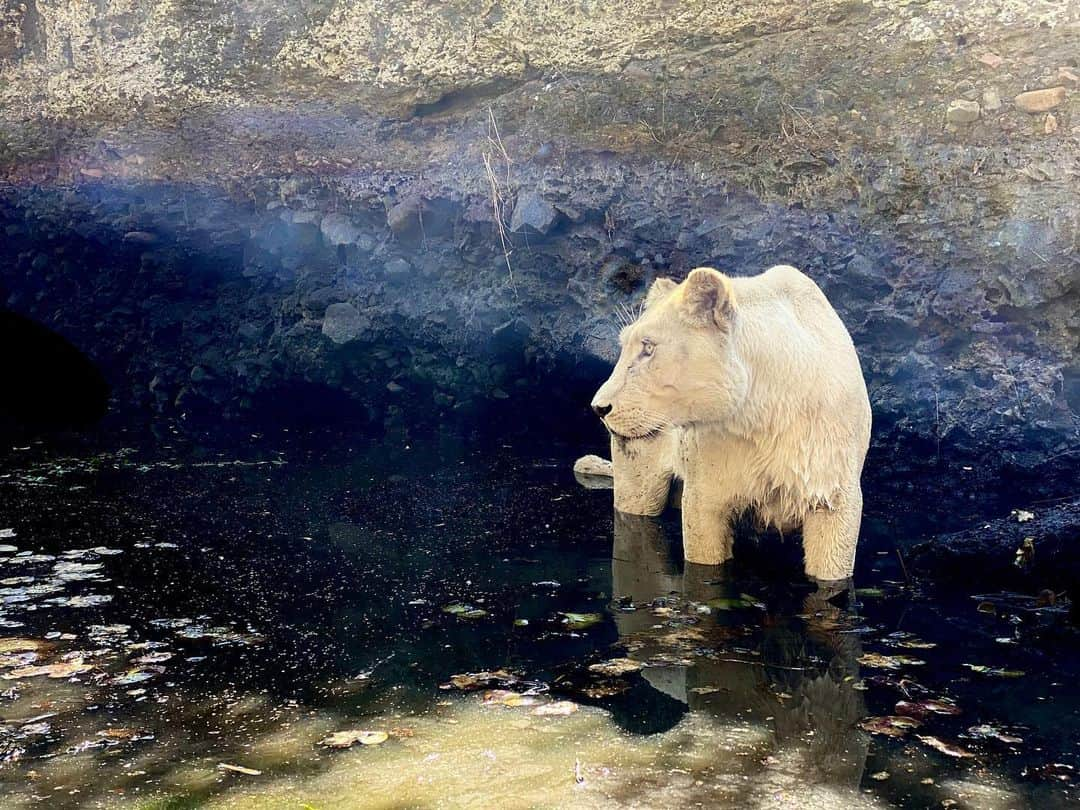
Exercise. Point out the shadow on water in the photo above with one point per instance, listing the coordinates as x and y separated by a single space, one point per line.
169 608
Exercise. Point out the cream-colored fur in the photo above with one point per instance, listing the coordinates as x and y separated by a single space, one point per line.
748 389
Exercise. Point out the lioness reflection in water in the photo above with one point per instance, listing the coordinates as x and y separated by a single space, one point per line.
789 681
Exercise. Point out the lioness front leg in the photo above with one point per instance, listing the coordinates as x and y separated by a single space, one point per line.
830 536
707 527
642 474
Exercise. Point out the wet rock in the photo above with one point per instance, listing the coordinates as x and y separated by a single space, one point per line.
1040 101
343 322
338 229
961 111
533 212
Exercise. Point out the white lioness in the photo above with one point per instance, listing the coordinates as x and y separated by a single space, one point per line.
748 389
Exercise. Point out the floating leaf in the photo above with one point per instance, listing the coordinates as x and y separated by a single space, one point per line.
88 600
463 611
239 769
741 602
153 658
880 776
12 645
616 667
993 733
996 672
705 690
581 621
558 708
889 661
62 670
504 697
468 681
921 708
7 533
946 748
137 675
889 725
347 739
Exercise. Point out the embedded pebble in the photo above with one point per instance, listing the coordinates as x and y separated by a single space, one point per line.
1040 101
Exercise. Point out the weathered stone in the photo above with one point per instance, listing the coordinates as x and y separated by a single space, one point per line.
991 59
965 88
991 99
398 270
343 322
534 212
1050 124
338 229
404 218
962 111
1040 101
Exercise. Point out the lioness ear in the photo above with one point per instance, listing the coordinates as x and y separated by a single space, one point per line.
659 289
708 299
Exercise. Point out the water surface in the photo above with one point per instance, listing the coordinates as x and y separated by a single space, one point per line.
518 644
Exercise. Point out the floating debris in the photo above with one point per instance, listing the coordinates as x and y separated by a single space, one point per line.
889 725
880 661
616 667
64 669
7 533
560 708
504 697
944 747
347 739
988 732
996 672
463 611
239 769
13 645
137 675
500 678
921 708
83 601
581 621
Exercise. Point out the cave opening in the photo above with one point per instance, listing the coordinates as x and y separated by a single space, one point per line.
49 384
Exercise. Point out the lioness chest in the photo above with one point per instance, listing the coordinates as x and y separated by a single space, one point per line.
774 479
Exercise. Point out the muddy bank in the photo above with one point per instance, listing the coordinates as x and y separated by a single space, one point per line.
406 214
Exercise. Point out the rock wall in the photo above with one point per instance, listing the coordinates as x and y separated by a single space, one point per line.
443 200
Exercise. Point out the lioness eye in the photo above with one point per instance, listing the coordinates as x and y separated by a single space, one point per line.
647 347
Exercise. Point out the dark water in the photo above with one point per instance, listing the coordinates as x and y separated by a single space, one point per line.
235 605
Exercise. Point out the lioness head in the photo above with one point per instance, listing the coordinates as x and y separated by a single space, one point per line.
677 365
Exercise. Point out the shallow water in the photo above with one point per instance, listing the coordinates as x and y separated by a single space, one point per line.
236 605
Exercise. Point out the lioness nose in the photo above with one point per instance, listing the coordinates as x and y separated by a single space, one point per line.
601 410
